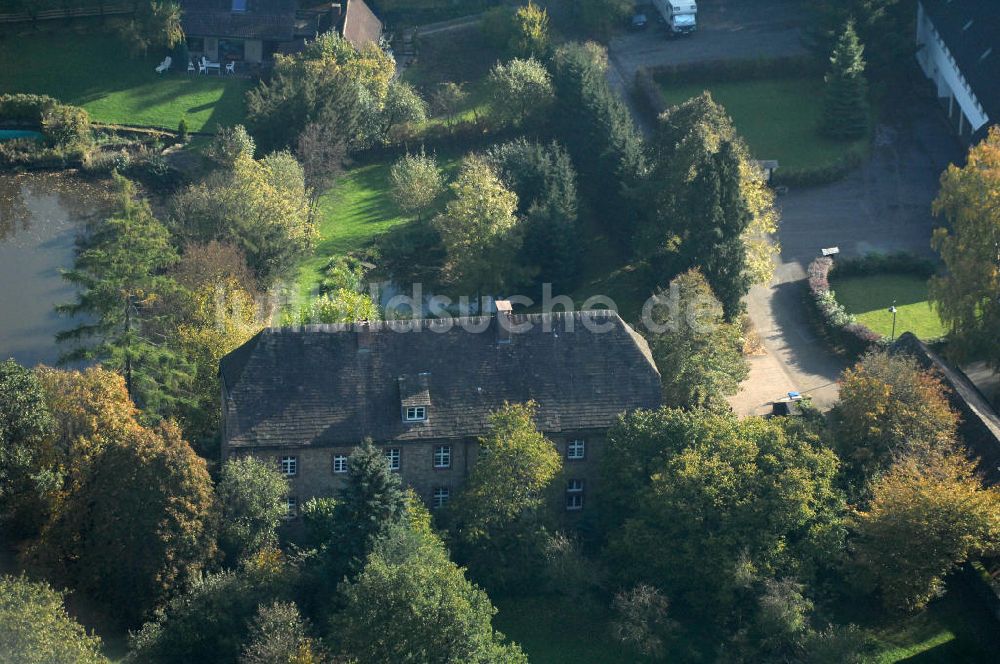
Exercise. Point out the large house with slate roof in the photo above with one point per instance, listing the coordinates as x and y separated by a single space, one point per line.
423 390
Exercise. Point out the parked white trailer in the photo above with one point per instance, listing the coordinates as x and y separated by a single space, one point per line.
681 16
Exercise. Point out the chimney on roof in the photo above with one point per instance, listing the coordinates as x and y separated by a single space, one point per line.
363 333
505 312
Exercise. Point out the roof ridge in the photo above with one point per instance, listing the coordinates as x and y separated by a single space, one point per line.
409 324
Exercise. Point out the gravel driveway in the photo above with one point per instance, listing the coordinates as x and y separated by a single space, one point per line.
884 206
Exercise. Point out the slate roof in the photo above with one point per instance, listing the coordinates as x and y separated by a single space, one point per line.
979 424
336 384
269 20
360 26
971 30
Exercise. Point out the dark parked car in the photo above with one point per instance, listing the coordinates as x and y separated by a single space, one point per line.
638 22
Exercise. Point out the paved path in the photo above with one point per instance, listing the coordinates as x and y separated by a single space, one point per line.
884 206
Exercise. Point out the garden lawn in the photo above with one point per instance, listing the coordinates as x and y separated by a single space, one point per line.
356 210
778 118
95 72
870 297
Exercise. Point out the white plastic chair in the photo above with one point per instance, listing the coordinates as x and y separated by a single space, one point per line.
190 66
165 65
231 67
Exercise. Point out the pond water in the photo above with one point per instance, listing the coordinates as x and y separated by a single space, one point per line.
9 134
41 215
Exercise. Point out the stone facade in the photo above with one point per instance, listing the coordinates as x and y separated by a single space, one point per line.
314 393
317 475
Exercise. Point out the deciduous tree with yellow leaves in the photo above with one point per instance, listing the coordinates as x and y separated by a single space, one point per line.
967 297
929 514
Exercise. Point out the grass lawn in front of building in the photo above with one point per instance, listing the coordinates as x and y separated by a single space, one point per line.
94 71
356 210
869 299
778 118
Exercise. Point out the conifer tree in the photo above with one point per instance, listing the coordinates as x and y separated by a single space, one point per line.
371 501
845 112
719 216
121 273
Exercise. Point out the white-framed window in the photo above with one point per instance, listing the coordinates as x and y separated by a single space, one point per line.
576 450
441 496
291 507
416 413
442 456
340 463
392 457
289 466
574 495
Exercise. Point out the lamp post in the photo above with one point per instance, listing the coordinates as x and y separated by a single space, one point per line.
892 310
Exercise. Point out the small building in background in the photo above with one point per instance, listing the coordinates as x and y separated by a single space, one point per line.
252 31
959 51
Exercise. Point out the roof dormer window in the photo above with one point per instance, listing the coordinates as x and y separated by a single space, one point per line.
239 5
415 414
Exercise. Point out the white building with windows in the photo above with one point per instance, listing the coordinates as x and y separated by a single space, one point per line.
959 51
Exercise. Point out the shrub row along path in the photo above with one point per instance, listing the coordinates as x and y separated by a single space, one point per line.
883 206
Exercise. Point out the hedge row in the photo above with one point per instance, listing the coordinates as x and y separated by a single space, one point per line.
841 327
25 109
719 71
900 262
811 177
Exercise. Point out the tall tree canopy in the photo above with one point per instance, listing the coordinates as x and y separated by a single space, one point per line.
25 426
141 519
369 503
544 180
597 128
886 26
121 274
261 206
888 404
212 620
329 83
699 354
845 104
252 499
35 628
709 205
410 603
737 500
928 514
521 89
499 512
217 312
416 182
967 296
480 228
